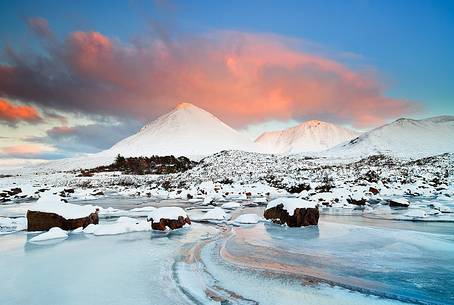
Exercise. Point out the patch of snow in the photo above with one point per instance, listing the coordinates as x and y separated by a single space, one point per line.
53 233
50 203
216 213
231 205
247 219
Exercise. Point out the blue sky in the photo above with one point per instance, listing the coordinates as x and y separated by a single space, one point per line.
409 46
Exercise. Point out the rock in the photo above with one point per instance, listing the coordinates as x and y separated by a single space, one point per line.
171 223
100 193
373 190
357 201
300 217
400 202
14 191
42 221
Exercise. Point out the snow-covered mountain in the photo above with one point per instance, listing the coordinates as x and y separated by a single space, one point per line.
310 136
403 138
185 131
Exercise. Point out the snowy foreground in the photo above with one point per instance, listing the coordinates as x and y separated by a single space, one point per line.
384 235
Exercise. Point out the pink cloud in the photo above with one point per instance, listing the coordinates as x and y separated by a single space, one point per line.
241 77
24 150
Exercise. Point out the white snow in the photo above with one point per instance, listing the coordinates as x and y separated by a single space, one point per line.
166 213
120 226
53 233
290 204
231 205
51 203
247 219
216 213
310 136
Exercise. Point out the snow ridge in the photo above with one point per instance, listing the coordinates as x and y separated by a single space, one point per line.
310 136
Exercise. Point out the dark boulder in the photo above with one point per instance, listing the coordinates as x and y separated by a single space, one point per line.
373 190
300 217
42 221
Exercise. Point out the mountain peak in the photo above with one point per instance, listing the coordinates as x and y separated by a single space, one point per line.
309 136
184 105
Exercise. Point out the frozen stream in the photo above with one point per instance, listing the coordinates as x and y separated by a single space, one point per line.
351 260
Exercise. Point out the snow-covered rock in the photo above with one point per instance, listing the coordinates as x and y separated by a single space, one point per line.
294 212
51 203
168 217
291 204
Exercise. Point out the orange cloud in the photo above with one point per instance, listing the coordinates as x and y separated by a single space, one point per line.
13 113
242 77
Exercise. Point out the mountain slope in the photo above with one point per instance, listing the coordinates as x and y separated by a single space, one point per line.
310 136
185 131
403 138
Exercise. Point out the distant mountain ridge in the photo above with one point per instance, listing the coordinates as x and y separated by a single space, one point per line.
310 136
403 138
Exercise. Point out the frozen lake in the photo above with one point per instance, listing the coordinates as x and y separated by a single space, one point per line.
351 259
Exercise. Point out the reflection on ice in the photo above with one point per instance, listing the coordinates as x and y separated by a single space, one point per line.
401 264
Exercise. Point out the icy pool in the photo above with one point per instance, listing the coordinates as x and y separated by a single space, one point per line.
345 260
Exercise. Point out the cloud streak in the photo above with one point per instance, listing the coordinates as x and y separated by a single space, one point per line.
12 114
242 77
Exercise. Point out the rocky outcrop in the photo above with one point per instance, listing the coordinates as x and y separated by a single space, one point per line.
399 203
43 221
171 223
357 201
300 217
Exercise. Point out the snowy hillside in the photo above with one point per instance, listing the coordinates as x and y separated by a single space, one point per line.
310 136
403 138
185 131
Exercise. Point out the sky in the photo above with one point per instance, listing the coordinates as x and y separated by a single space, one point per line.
77 76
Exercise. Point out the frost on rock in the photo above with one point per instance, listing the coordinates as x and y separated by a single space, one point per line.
53 233
294 212
168 217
